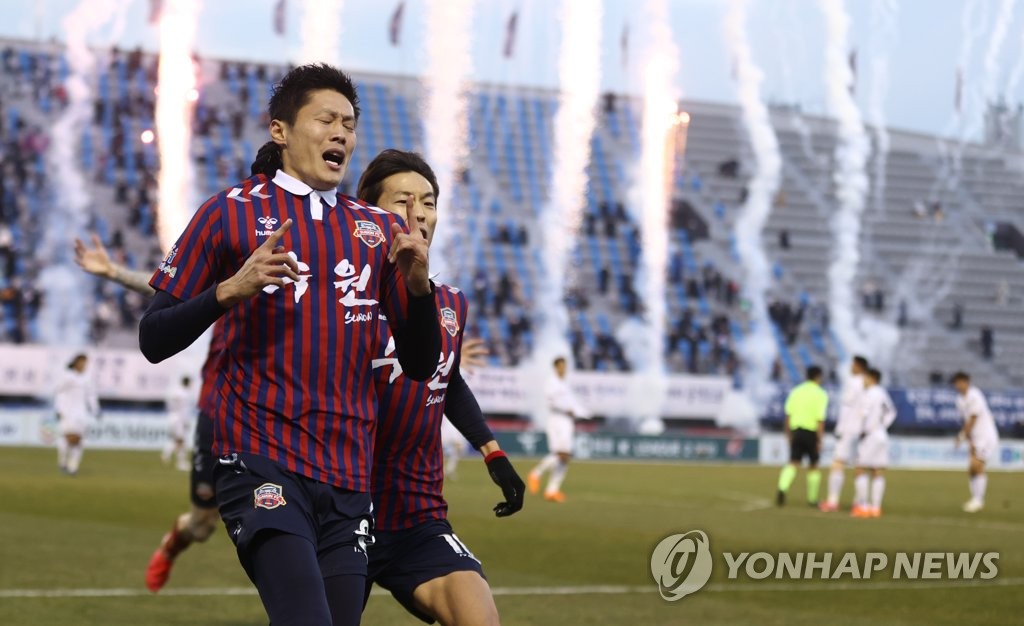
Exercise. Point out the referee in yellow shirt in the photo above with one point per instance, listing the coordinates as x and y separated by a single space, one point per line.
806 407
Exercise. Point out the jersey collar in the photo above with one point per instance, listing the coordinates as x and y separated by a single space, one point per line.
295 186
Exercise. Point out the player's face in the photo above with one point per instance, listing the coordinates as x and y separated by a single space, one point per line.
410 195
962 386
561 367
318 146
79 364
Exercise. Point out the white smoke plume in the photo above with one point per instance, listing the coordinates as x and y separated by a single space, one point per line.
850 177
320 31
64 318
883 29
992 67
445 114
176 95
580 82
649 201
758 349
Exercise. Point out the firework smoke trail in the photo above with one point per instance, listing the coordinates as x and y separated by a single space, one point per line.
790 43
758 349
995 48
1017 73
883 28
176 94
850 177
320 31
62 318
580 82
649 202
445 114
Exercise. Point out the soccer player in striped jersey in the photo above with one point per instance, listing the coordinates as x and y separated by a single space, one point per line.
878 413
416 555
199 522
981 434
299 274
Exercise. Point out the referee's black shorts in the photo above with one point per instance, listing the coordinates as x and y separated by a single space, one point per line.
803 443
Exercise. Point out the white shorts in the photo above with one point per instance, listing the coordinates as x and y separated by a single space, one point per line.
71 427
560 430
178 429
846 448
873 450
986 449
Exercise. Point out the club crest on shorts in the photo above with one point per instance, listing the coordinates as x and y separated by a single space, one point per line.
369 233
268 496
450 321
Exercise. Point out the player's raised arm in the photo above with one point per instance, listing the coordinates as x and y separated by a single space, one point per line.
412 315
97 261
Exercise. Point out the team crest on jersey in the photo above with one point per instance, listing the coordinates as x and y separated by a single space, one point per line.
450 321
268 496
369 233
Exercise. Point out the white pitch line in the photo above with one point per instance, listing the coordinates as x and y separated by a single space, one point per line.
550 591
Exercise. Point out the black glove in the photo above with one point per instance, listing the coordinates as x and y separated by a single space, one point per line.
505 476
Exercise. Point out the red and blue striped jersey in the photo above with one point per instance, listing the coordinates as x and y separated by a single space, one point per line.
408 465
212 365
296 384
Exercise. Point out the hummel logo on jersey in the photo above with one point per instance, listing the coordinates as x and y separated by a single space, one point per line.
268 223
450 321
369 233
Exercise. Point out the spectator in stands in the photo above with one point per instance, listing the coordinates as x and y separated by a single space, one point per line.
958 316
603 278
987 341
729 168
902 318
784 239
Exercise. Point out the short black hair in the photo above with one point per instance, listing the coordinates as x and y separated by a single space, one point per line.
76 358
961 375
861 361
388 163
814 372
875 375
559 359
292 92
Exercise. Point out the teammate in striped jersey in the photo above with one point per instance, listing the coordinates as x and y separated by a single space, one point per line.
299 274
199 522
416 555
981 434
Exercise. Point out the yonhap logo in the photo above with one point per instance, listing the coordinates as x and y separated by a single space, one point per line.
681 564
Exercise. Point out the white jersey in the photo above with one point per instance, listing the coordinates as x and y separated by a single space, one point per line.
562 401
75 401
973 403
182 405
877 410
849 419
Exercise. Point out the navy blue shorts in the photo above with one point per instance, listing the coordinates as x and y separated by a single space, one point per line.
201 487
256 494
402 560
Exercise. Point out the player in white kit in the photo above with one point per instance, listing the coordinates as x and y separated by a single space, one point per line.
847 431
980 432
563 410
878 413
75 403
182 406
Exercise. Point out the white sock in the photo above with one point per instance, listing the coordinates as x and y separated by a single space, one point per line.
547 463
451 461
877 491
860 490
557 476
62 452
979 484
182 459
168 450
74 458
835 486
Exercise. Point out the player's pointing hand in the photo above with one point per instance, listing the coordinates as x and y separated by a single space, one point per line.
269 264
410 252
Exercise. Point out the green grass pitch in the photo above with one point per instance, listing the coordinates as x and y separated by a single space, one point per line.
97 530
